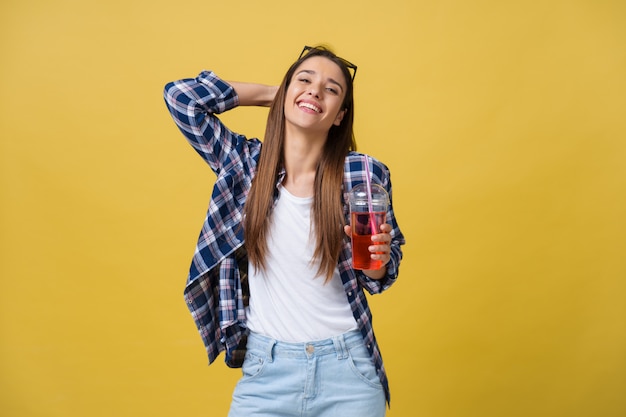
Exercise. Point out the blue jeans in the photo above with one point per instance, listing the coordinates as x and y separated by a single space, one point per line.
328 378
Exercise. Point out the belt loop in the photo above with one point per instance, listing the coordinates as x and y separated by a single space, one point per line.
340 347
269 352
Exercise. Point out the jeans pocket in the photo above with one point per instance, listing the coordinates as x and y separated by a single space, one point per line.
253 364
363 367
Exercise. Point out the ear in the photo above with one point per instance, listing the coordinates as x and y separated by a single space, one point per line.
339 117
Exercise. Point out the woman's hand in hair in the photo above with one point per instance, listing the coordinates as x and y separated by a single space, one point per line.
252 94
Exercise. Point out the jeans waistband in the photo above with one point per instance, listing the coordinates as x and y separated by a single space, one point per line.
339 345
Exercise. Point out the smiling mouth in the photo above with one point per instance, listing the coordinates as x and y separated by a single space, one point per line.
310 106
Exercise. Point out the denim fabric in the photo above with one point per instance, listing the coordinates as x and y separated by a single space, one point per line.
328 378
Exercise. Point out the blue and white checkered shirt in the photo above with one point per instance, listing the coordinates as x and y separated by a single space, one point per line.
216 291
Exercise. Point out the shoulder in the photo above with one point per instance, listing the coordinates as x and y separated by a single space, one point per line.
357 159
355 169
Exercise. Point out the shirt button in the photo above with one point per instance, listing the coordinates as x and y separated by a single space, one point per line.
350 293
310 349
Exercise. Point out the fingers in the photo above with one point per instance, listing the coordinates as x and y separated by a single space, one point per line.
383 237
381 243
381 247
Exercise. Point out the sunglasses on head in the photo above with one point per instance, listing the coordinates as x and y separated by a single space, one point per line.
348 64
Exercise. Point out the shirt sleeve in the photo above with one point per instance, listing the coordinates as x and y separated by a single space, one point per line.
193 104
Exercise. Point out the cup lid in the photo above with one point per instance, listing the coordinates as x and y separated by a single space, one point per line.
358 193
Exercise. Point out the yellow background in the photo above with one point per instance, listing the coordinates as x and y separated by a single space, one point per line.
504 124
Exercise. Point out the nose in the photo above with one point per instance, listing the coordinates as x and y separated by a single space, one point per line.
314 90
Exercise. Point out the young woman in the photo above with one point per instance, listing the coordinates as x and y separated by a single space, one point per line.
271 281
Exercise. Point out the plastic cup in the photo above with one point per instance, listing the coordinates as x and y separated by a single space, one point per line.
365 223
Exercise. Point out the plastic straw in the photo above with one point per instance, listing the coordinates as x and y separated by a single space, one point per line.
368 184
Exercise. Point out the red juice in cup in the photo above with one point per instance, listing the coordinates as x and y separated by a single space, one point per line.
368 208
362 238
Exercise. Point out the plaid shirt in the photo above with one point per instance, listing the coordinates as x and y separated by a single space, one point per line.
217 291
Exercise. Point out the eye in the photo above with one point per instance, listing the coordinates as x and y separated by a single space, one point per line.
304 80
332 90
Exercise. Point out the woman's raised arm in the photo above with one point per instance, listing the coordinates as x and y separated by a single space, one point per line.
252 94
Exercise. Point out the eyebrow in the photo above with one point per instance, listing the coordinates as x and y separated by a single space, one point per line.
331 80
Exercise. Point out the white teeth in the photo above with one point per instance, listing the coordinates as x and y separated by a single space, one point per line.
310 106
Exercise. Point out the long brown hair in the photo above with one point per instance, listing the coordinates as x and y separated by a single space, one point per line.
328 218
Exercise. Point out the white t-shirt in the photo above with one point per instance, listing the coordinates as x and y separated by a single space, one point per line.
289 301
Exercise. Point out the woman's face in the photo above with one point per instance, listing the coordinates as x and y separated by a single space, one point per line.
314 98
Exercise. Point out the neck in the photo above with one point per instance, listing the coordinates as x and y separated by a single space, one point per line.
301 156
